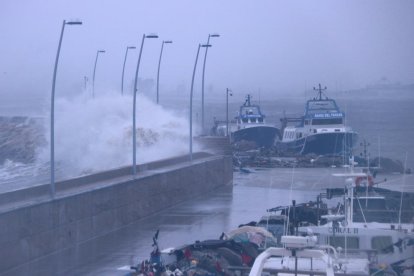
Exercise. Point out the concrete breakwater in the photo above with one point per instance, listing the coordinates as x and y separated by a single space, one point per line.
33 225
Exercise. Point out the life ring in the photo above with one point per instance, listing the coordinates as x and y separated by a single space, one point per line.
361 179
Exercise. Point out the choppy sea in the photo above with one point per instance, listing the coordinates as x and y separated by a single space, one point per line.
382 118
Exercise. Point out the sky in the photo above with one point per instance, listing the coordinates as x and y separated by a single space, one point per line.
274 46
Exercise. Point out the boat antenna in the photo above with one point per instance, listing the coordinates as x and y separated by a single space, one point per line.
259 95
360 207
247 102
379 152
402 191
268 210
320 90
290 199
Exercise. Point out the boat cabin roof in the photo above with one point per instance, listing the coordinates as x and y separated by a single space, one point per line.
322 109
248 110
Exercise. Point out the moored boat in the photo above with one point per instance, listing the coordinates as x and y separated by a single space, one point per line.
321 130
365 223
302 256
251 126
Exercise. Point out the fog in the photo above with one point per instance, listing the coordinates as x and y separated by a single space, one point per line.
277 47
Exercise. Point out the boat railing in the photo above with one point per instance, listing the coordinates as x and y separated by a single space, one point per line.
259 264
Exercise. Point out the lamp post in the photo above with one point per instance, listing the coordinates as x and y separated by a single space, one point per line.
52 109
94 70
123 68
191 100
202 81
134 138
228 92
159 65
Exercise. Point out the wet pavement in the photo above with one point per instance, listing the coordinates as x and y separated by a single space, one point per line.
205 217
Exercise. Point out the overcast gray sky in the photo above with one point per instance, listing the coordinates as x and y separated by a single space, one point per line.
275 46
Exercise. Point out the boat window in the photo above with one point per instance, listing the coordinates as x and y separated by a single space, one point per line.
375 204
333 121
383 244
322 105
250 110
351 242
260 120
306 122
244 120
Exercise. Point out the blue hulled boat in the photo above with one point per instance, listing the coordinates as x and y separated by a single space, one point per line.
251 126
321 130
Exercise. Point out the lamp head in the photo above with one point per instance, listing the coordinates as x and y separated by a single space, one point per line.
101 51
168 41
214 35
151 36
205 45
73 22
131 47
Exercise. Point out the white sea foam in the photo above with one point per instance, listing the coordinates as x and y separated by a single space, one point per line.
95 134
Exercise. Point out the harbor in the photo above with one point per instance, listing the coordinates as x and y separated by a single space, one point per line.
111 242
219 138
204 217
105 224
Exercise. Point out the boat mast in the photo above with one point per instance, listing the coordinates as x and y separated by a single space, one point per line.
320 89
402 192
247 102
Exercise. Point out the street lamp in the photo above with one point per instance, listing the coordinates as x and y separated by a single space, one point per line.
52 109
159 65
134 138
94 70
228 92
123 68
191 100
202 81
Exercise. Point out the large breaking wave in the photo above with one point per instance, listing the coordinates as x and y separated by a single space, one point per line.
95 134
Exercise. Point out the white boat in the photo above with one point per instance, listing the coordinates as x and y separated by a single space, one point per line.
302 256
363 227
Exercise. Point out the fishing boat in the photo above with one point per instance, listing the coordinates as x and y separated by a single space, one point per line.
251 126
364 224
320 131
302 256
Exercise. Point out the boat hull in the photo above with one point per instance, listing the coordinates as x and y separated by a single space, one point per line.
333 143
262 136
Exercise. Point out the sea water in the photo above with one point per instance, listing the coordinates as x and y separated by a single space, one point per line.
95 134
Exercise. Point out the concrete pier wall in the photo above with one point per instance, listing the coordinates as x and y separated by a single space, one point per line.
95 205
